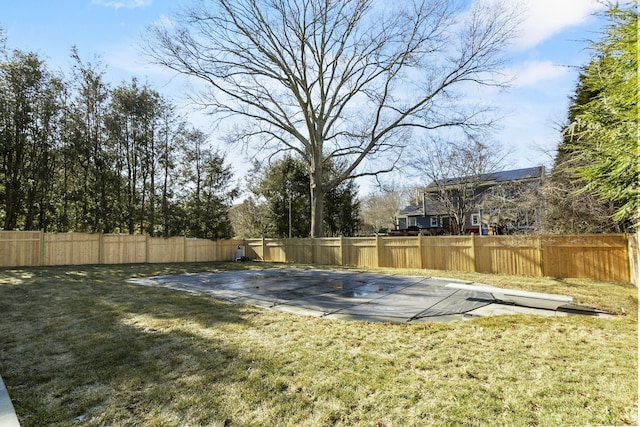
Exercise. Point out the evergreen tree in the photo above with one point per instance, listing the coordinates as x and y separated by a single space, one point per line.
572 208
85 176
284 187
208 190
249 220
602 137
29 125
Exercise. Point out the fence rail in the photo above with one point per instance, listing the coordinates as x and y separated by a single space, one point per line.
612 257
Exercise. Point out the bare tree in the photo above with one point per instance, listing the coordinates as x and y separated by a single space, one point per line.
456 171
514 206
338 82
380 208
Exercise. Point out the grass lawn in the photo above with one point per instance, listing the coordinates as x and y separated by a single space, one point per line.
78 346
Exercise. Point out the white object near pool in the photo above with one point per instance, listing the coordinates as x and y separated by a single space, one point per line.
525 298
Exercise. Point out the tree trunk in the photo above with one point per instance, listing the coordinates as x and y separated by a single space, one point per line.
317 204
316 178
317 198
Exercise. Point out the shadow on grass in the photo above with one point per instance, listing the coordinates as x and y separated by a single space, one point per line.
79 344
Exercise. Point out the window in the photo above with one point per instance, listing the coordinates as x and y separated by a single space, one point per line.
411 221
475 219
434 221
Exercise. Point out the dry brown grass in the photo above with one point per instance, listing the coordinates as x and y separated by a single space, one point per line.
81 347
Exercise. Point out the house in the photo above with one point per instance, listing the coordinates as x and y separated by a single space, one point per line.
491 203
428 218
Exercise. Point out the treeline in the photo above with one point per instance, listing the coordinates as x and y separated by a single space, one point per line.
77 154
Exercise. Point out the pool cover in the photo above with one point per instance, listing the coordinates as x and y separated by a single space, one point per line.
333 294
358 296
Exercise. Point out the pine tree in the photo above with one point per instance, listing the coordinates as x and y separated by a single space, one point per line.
602 138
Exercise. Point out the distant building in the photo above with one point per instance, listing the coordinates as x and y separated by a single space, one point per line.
502 202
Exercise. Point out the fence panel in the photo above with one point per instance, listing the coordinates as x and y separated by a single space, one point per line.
399 252
254 249
71 249
161 249
296 250
20 248
360 251
274 250
514 255
124 249
600 257
327 251
454 253
198 250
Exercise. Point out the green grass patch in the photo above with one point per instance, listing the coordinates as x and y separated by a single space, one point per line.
79 346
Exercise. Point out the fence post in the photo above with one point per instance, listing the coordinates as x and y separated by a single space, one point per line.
101 247
341 251
473 252
420 251
314 250
263 249
146 248
377 250
633 253
540 260
41 248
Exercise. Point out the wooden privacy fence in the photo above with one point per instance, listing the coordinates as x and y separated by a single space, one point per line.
601 257
33 248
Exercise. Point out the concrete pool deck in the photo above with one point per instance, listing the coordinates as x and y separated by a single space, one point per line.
350 296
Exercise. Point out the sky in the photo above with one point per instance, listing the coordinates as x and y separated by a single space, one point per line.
543 62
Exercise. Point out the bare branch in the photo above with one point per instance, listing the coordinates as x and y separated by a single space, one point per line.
338 80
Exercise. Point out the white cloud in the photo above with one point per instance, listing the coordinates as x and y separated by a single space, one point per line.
545 18
533 72
130 59
164 21
127 4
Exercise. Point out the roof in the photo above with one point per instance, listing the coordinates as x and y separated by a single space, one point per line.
514 175
498 177
412 210
434 207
